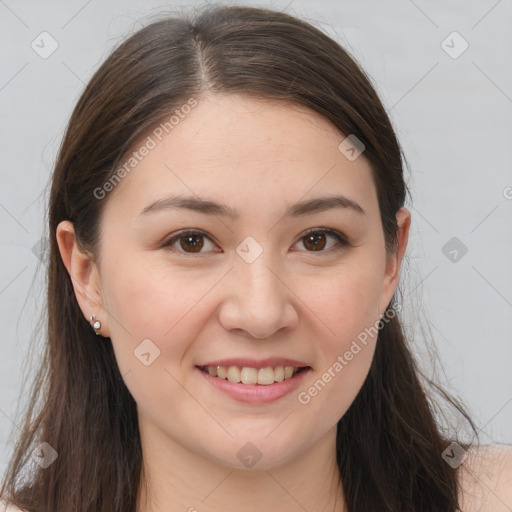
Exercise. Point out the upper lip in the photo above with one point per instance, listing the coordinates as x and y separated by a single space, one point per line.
256 363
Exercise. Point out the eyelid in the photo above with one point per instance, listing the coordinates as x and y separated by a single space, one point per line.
173 238
342 239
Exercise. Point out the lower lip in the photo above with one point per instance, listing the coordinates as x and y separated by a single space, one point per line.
254 393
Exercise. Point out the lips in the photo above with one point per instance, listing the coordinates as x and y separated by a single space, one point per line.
243 390
254 381
272 362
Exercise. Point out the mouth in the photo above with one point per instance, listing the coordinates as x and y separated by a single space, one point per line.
251 376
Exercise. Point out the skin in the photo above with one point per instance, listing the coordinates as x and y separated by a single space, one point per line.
260 158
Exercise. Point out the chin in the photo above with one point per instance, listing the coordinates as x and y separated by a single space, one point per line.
257 454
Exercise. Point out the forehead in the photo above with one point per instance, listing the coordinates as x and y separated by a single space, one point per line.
243 152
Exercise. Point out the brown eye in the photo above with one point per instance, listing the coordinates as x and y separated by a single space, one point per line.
188 242
317 240
191 241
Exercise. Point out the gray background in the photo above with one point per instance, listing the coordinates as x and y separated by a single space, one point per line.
452 114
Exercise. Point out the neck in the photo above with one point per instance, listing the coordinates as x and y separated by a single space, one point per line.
177 479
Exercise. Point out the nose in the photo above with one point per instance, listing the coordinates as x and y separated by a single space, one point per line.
260 302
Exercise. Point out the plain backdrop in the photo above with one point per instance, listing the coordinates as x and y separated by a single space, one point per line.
443 71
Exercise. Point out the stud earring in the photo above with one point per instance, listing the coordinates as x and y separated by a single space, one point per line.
96 324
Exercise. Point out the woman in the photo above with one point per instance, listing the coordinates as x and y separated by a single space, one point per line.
227 225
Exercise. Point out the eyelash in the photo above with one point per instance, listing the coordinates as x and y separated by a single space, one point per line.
342 241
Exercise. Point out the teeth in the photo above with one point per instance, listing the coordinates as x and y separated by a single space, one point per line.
266 376
234 374
251 376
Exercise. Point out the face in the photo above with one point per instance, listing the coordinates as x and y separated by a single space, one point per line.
257 283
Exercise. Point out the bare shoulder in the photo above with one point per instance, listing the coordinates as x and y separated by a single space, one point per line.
486 479
4 507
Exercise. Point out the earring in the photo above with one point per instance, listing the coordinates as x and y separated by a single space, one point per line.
96 324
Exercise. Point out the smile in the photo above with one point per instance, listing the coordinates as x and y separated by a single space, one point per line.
252 376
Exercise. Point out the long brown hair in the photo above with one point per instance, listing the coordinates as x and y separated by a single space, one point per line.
389 442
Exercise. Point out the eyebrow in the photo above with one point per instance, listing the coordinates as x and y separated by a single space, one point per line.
209 207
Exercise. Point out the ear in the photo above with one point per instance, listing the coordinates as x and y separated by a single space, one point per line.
394 260
84 275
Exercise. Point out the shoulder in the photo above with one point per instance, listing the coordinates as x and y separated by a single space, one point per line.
4 507
486 479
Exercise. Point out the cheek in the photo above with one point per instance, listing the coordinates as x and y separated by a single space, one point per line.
152 302
348 310
153 316
347 302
